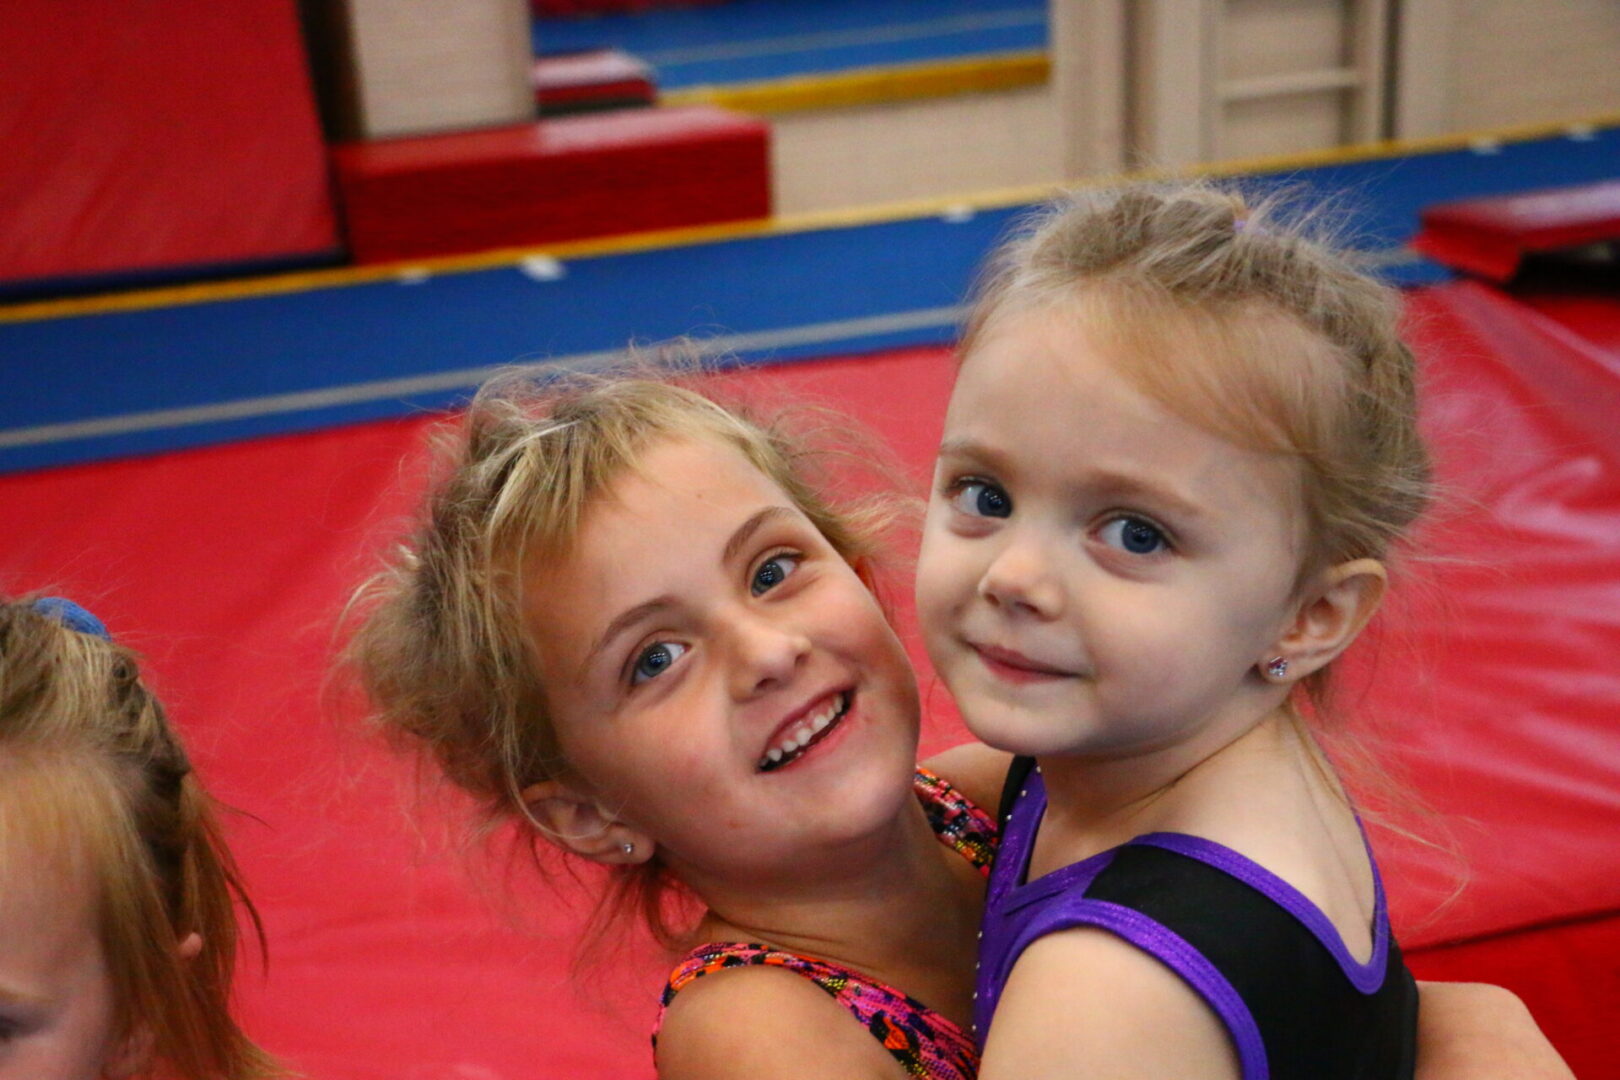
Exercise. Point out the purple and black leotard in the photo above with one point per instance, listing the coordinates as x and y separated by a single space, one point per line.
1267 961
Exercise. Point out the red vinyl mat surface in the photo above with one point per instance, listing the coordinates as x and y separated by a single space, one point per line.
141 137
397 954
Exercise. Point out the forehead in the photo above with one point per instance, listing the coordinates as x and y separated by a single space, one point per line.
47 892
678 487
649 532
1054 392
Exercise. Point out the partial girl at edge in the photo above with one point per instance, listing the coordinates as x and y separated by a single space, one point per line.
118 930
630 620
1179 457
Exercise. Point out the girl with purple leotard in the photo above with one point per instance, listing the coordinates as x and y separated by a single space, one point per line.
1180 449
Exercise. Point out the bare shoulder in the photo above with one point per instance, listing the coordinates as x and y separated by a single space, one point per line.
1084 1001
765 1022
1469 1030
975 770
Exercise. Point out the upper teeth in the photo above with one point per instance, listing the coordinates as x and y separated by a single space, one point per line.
806 729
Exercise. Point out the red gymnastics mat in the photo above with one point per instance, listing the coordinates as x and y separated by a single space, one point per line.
394 955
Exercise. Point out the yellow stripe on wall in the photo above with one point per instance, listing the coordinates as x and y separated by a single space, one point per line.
873 86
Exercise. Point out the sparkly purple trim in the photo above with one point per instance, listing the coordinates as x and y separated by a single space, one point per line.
1171 950
1367 977
992 979
1017 837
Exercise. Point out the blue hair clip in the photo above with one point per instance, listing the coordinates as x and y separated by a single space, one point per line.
71 615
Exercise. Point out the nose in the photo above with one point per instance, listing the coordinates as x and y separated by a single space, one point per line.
1021 579
766 654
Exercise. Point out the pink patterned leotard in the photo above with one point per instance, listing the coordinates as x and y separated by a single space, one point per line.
925 1043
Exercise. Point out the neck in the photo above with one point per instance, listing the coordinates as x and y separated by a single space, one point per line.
1094 803
900 907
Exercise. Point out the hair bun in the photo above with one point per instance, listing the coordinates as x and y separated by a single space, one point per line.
71 615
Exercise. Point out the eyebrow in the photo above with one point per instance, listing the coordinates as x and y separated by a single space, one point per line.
8 996
1106 481
620 623
745 532
966 448
1120 485
629 617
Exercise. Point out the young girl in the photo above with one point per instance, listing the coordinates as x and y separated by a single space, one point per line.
629 621
1180 447
117 929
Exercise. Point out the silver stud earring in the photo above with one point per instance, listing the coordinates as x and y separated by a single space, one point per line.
628 848
1277 667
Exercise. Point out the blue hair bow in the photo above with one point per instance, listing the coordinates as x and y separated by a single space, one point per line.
71 615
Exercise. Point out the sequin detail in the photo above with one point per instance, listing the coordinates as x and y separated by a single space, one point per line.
926 1044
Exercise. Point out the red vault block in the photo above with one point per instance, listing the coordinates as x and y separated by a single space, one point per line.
569 178
590 81
1489 237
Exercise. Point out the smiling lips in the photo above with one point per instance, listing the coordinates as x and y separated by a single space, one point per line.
810 729
1015 667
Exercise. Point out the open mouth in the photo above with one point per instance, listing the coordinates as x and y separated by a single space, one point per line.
809 731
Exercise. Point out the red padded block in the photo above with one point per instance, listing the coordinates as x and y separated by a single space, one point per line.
562 179
1488 237
591 79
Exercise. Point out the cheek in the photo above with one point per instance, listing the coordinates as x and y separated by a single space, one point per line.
1149 636
87 1047
942 575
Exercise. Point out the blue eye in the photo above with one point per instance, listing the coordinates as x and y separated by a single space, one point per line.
772 572
980 498
654 660
1135 535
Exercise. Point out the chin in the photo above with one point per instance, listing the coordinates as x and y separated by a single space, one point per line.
1016 732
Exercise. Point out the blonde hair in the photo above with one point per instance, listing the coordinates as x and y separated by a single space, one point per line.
88 757
1245 320
442 648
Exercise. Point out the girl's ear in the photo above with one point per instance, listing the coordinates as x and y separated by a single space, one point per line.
579 824
1334 610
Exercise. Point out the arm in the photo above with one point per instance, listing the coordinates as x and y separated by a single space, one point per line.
758 1022
975 770
1468 1030
1085 1003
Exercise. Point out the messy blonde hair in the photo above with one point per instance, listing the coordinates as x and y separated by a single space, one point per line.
1245 320
442 647
90 767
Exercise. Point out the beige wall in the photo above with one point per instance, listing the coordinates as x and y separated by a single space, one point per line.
1072 126
422 66
1174 82
1467 65
883 153
1214 80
